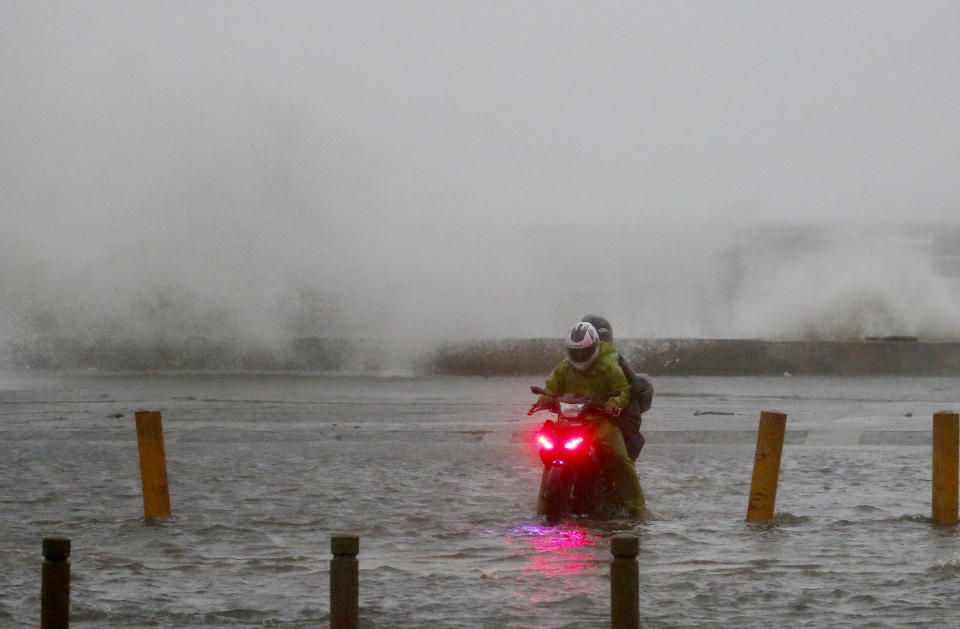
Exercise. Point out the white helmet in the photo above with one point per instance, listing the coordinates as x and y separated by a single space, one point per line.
583 345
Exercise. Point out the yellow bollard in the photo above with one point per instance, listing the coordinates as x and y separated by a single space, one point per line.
946 440
153 465
766 466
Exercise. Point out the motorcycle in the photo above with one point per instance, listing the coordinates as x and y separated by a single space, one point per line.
576 480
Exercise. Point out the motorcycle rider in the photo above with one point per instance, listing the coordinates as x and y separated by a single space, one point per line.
641 391
591 370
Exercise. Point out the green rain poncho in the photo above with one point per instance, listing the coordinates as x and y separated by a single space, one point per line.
602 378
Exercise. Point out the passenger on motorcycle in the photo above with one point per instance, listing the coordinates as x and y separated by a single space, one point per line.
591 370
641 391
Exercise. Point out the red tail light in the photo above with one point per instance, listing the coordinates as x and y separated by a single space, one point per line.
574 443
544 442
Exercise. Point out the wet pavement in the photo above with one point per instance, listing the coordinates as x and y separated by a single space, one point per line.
438 478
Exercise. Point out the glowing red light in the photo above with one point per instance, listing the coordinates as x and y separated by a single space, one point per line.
560 552
545 443
574 443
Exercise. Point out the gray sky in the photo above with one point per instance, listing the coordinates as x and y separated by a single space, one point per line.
475 168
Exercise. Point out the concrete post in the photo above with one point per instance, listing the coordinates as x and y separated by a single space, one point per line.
624 582
344 582
153 465
55 583
766 466
946 440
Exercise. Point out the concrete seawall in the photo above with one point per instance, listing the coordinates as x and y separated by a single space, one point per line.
497 357
713 357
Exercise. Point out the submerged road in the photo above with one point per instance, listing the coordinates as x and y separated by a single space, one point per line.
821 410
437 477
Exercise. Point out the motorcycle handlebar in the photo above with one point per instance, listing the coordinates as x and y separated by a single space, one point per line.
540 391
554 399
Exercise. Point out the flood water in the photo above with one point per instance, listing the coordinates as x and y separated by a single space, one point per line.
436 477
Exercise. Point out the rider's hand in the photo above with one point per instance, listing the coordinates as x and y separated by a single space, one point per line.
611 408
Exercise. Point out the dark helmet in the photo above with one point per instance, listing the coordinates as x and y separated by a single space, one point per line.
583 345
604 329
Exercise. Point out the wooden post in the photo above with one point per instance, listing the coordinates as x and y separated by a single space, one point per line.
153 465
55 583
624 582
946 440
766 466
344 582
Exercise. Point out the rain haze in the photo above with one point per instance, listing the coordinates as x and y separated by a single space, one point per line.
422 171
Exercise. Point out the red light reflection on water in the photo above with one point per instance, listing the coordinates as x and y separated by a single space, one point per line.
557 549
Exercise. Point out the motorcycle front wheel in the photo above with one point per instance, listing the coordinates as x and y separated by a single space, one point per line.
556 497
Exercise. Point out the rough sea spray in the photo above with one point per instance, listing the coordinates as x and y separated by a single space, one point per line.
844 283
408 175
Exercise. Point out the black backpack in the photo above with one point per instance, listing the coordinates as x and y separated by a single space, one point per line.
641 389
